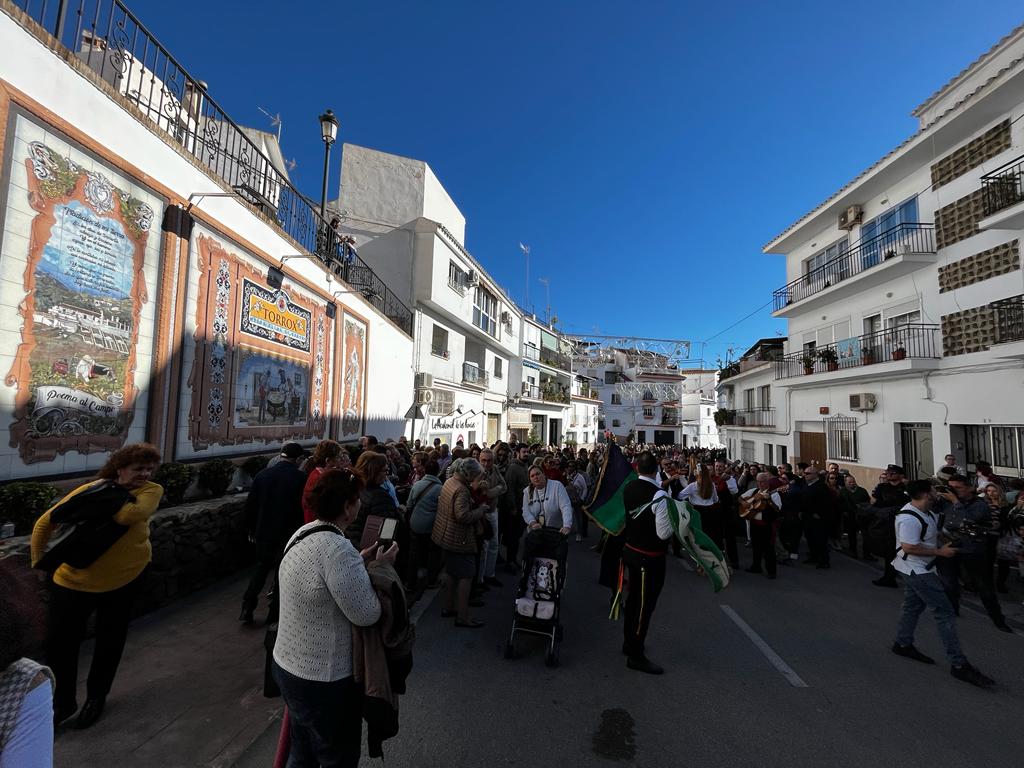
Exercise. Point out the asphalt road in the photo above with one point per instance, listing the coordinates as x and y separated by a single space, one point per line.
834 695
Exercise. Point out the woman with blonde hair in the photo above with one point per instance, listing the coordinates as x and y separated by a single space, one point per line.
106 586
703 497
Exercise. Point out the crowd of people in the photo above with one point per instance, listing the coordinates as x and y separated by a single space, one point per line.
336 528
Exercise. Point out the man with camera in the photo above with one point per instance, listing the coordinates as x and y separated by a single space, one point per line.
917 534
968 520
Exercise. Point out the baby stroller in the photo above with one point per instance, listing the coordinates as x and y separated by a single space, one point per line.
539 595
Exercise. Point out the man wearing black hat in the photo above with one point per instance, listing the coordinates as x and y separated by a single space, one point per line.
889 497
273 512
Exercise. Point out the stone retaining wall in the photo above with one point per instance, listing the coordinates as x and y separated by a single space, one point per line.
193 546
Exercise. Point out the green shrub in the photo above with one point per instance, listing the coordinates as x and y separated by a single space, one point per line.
254 465
215 476
23 502
175 479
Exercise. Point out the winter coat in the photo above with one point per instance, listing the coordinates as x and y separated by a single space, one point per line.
455 526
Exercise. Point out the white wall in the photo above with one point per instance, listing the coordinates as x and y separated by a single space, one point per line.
78 103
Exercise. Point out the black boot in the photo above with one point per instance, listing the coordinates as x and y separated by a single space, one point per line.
91 711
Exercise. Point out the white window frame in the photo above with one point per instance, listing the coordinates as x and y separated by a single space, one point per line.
443 352
485 311
456 278
499 370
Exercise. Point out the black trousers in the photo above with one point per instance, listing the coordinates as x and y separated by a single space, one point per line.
817 530
326 721
712 521
646 579
268 556
790 531
70 610
513 534
762 546
975 568
851 528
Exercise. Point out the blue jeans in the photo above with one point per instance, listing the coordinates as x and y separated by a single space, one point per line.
924 590
326 721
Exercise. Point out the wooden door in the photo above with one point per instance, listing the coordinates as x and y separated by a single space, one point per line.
812 447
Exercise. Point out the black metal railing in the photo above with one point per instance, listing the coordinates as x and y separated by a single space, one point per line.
554 393
474 374
1004 186
531 391
901 239
730 370
915 341
555 359
1009 317
110 40
754 417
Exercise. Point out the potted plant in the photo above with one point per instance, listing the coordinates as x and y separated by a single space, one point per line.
830 358
867 355
808 362
899 352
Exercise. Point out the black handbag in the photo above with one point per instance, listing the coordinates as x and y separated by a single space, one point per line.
86 528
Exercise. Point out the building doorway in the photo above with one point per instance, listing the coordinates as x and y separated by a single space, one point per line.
554 431
812 447
641 436
493 428
916 451
664 437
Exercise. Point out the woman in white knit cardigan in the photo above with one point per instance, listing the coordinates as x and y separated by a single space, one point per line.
548 499
325 589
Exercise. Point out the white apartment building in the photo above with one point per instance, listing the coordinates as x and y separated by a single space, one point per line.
697 408
466 330
753 418
647 399
545 383
905 296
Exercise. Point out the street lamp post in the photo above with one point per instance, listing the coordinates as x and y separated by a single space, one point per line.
329 133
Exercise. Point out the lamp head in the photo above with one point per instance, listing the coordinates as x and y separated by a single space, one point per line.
328 127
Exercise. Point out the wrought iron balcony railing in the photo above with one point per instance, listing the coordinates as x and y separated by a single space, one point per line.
902 239
1004 187
531 391
110 40
474 374
903 342
555 359
754 417
1009 317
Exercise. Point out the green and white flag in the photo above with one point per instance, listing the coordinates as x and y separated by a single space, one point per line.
702 550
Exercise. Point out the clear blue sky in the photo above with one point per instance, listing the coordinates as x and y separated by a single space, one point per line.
645 151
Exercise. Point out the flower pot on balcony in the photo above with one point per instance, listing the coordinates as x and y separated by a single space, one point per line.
867 356
832 366
899 354
808 370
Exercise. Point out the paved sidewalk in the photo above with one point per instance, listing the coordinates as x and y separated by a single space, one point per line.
188 692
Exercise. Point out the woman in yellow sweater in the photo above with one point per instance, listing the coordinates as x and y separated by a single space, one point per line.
108 586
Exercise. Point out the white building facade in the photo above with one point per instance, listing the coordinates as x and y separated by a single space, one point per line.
905 295
752 416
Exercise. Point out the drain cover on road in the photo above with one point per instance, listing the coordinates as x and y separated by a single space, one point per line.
615 738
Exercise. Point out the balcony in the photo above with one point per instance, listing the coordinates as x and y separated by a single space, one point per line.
555 359
897 351
531 391
868 264
554 393
108 38
475 375
531 353
1004 196
753 417
1008 316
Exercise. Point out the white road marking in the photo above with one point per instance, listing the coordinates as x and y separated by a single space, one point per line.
423 604
776 661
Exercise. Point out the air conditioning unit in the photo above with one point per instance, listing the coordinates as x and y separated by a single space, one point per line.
851 217
865 401
424 381
472 279
424 396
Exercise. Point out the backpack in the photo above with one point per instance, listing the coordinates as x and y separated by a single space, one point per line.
924 530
